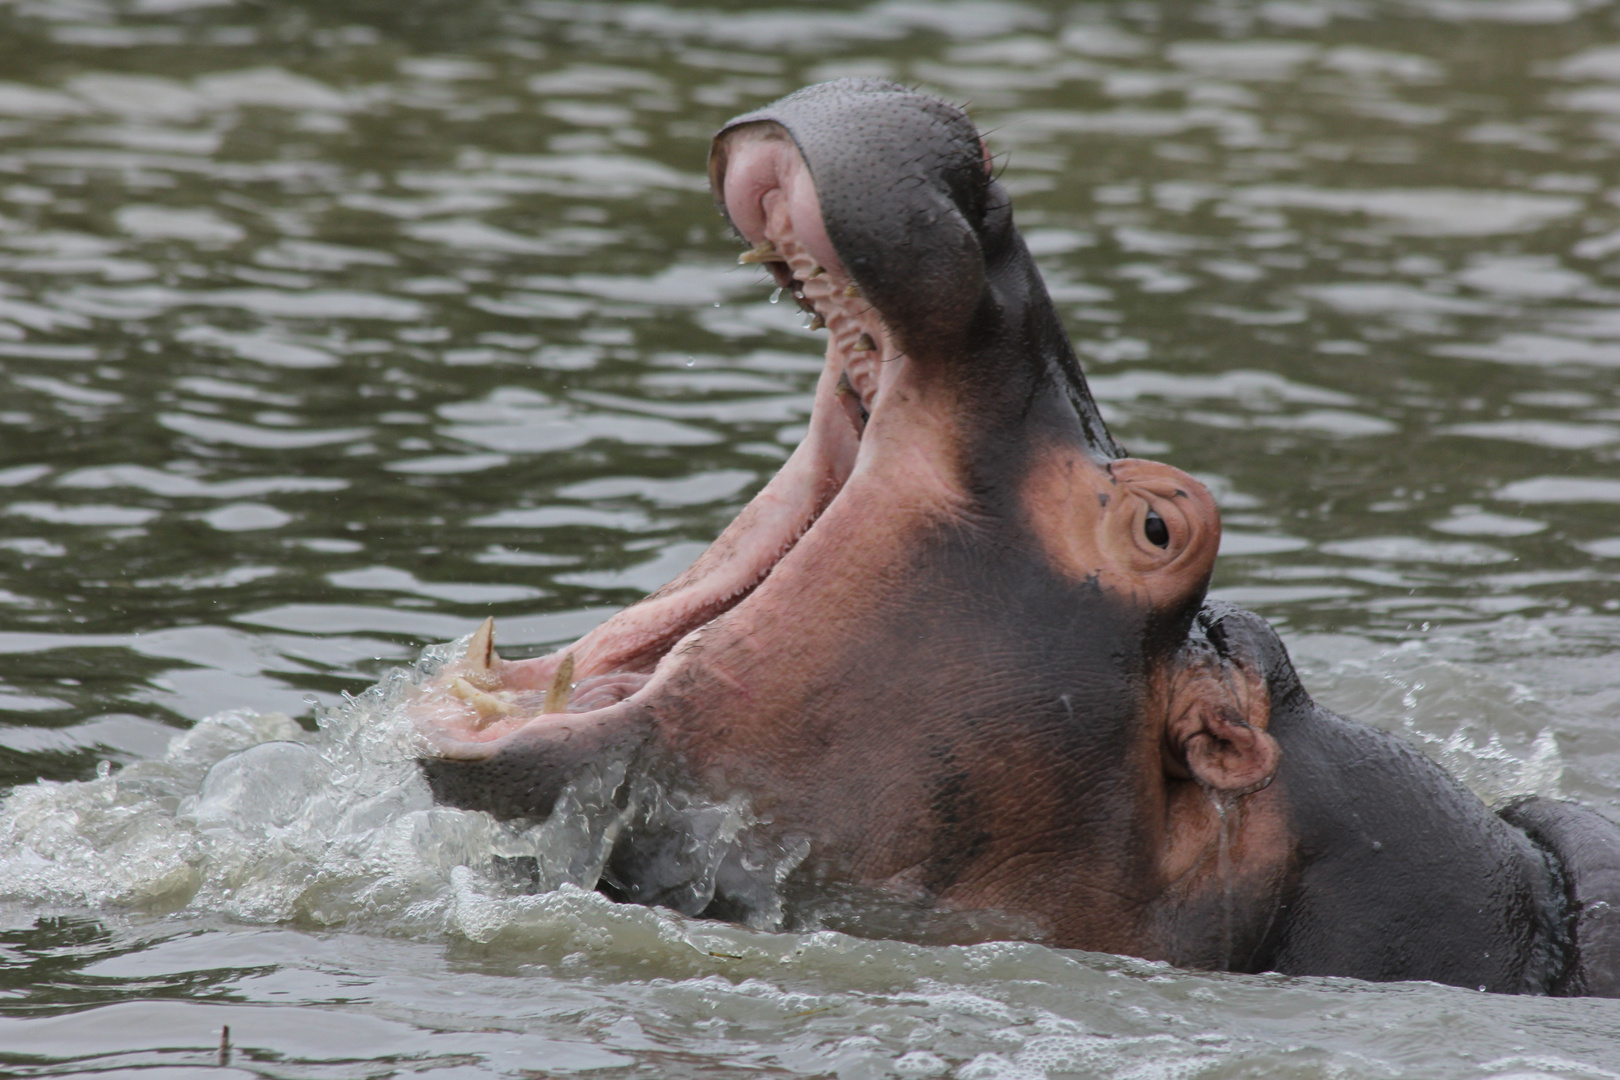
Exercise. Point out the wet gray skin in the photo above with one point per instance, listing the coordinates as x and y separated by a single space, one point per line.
329 330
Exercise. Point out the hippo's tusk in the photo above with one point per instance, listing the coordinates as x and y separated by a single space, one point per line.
481 649
762 252
815 272
817 322
852 289
562 687
488 705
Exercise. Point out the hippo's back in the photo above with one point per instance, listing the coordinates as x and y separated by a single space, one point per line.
1586 848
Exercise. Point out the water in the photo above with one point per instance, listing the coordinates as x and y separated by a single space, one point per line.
329 329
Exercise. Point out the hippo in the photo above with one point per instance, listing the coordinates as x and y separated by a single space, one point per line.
957 654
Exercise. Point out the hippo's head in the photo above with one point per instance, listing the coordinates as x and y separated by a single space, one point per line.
955 643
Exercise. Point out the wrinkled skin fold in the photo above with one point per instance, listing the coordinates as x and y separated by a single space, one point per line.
957 651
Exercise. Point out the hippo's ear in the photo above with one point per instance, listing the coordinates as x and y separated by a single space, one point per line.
1215 733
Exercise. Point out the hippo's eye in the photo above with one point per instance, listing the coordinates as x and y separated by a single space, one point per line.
1158 533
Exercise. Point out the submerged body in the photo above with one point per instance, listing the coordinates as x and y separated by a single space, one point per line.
957 652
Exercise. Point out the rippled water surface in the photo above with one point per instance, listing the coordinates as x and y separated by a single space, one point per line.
327 329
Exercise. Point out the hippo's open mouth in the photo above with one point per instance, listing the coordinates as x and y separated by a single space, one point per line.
945 357
768 194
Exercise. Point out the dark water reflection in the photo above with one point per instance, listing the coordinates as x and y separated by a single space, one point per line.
328 329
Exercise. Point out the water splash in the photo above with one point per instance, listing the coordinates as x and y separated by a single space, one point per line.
250 816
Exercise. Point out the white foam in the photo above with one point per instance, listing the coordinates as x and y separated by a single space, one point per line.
249 816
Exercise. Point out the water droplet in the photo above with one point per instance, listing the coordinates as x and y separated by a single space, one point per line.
691 361
777 295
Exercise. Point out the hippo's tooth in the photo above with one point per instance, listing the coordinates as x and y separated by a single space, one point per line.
815 272
481 649
488 705
562 687
762 252
864 343
852 289
817 322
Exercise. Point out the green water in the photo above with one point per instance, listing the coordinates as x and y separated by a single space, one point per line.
328 329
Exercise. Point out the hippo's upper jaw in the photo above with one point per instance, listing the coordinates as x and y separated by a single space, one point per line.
894 190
